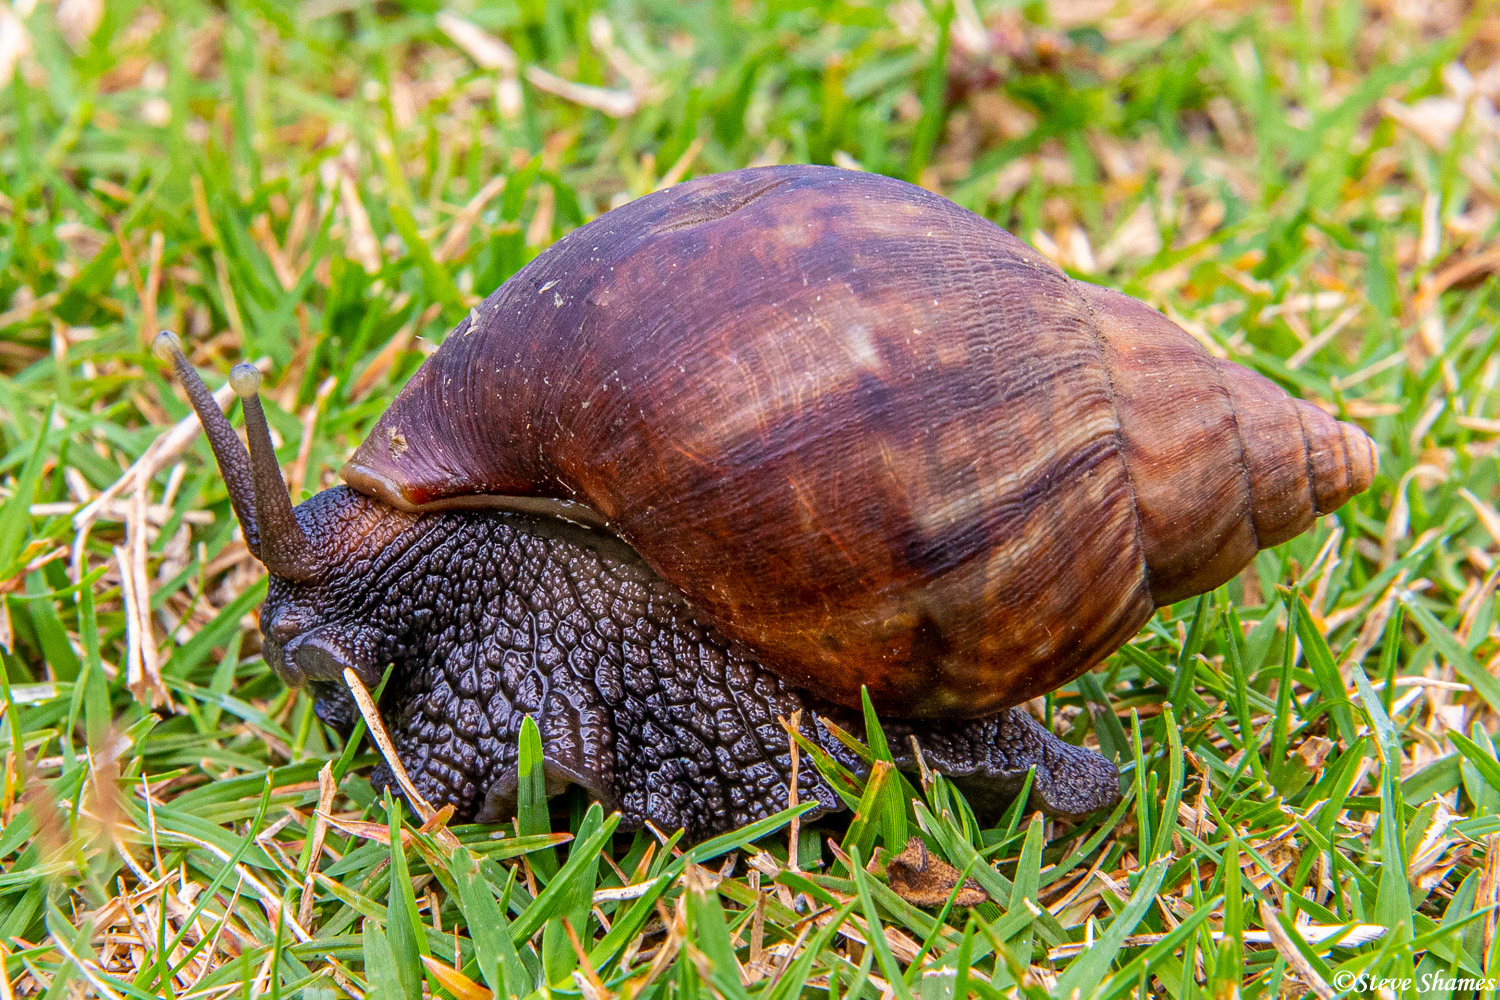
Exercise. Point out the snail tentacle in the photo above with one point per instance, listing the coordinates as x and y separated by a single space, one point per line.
229 452
284 546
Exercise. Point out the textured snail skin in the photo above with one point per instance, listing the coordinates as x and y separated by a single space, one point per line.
867 433
490 616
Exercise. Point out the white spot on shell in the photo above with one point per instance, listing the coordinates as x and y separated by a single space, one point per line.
862 348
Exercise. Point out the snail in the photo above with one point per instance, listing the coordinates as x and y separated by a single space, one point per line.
757 443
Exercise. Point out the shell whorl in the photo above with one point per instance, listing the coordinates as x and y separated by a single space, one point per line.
866 432
1222 461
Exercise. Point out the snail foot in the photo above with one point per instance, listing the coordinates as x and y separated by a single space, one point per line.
988 759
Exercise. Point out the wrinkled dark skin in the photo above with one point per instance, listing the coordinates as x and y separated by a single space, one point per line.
490 616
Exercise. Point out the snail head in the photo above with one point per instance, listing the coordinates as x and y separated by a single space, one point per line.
317 619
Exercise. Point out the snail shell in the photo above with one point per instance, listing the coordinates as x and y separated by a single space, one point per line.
868 433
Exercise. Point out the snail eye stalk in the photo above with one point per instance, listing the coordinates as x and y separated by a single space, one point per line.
233 459
256 489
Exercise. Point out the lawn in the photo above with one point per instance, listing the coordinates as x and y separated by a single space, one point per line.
1311 791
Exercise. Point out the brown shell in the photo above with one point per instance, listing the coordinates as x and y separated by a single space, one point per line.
869 433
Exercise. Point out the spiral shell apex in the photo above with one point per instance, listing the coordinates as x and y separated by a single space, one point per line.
867 433
1223 462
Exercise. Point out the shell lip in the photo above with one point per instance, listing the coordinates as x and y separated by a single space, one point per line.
379 486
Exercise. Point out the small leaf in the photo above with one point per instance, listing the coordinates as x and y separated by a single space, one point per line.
923 879
954 846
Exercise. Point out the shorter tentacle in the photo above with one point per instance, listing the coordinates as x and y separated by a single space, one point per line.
285 548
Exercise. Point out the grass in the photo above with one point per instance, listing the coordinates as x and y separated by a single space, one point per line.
1311 790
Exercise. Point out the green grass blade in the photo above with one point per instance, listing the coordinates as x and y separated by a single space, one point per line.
1026 886
533 816
1462 660
875 931
552 902
382 973
1483 762
934 93
15 512
710 932
1330 684
1163 845
1088 969
499 964
1143 964
403 927
871 810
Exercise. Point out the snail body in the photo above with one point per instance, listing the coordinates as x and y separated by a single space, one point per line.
848 434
